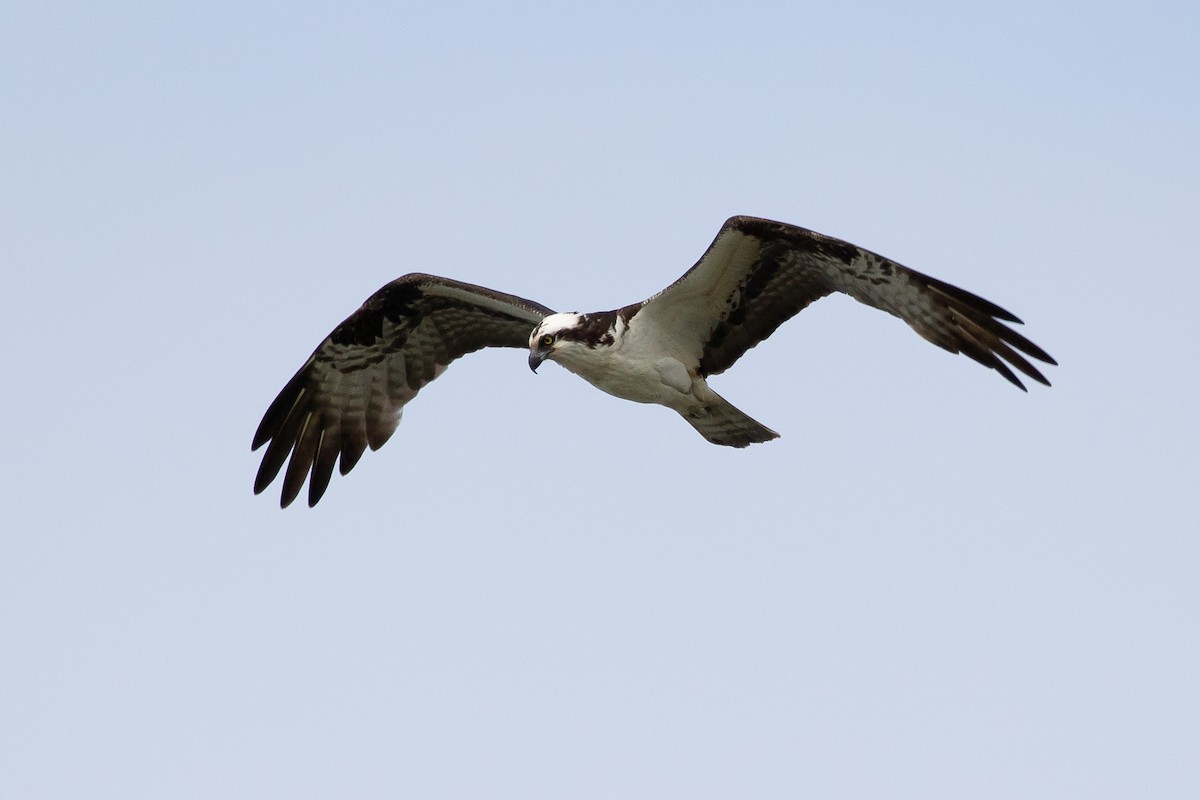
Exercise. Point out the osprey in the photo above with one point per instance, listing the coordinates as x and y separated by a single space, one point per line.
755 275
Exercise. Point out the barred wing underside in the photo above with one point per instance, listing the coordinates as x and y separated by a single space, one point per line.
350 393
757 274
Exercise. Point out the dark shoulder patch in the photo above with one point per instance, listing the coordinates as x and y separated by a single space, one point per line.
395 302
593 330
797 238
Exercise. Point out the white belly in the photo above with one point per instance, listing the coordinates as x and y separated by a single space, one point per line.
665 381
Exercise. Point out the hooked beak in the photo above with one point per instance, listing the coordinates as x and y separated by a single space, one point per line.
536 357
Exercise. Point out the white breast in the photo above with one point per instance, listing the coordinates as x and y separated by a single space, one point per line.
632 368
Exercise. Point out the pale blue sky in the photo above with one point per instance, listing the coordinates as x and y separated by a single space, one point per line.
932 586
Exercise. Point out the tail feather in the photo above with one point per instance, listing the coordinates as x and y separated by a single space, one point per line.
717 420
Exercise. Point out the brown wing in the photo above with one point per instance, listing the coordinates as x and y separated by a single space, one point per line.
757 274
349 394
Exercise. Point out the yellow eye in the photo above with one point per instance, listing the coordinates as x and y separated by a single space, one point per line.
546 340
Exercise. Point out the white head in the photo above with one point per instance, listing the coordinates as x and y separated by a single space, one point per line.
551 335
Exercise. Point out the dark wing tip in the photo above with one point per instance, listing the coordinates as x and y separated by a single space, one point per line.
971 300
978 330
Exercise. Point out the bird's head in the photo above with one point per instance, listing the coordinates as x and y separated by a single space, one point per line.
548 340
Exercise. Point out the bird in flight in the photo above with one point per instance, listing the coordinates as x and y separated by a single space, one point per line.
756 275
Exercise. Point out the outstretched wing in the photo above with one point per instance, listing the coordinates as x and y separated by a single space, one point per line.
349 394
757 274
